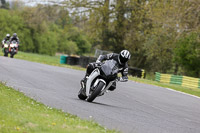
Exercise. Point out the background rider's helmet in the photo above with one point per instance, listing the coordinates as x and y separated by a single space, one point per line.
15 35
124 56
7 35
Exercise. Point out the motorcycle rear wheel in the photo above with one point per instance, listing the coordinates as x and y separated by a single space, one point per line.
96 92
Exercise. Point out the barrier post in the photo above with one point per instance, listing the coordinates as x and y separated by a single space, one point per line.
143 73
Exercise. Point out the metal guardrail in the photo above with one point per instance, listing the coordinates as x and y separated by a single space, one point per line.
184 81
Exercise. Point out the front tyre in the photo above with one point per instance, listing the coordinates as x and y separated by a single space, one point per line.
12 56
81 95
96 92
6 52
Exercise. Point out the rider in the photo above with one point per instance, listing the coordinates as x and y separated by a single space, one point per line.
14 37
7 38
121 58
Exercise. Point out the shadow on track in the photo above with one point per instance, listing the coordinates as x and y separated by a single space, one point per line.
101 104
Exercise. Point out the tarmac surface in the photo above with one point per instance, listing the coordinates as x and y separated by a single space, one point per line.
131 108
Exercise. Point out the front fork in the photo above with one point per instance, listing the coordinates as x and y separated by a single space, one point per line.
107 87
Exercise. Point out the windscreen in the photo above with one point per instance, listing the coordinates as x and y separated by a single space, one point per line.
110 67
14 42
7 42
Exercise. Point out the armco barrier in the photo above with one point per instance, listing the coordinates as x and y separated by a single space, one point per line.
199 83
157 77
190 82
184 81
73 60
165 78
83 61
136 72
176 79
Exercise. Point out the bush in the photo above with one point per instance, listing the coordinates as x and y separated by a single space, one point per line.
12 23
187 54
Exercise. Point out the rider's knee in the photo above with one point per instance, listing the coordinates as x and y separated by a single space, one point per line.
90 68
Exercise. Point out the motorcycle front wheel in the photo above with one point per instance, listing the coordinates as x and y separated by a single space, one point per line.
12 55
5 52
81 95
96 92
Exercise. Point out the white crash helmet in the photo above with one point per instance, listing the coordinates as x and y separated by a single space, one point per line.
8 35
124 56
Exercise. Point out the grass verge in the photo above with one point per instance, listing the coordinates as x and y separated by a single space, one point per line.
44 59
18 113
192 91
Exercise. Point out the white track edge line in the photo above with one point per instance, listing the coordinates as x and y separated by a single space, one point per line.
183 93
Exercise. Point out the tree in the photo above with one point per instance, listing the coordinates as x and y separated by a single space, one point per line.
99 12
12 23
81 40
187 54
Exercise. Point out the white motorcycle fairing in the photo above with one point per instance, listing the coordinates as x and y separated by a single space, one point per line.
91 77
5 45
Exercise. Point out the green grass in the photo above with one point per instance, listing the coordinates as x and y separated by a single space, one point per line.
44 59
18 113
192 91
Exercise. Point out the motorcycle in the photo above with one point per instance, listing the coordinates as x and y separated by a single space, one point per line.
6 48
99 81
13 48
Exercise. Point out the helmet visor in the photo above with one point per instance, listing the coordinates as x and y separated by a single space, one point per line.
122 59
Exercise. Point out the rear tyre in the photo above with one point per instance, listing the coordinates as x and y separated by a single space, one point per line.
96 92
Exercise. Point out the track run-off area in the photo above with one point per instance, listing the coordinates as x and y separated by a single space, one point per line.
132 108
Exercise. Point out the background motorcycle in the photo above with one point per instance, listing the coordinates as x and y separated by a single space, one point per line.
13 48
99 81
6 48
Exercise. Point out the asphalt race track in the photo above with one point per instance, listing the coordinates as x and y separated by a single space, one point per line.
131 108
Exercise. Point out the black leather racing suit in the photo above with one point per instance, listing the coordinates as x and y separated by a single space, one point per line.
123 68
14 38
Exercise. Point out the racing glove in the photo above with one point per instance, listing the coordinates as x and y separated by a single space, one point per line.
122 79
